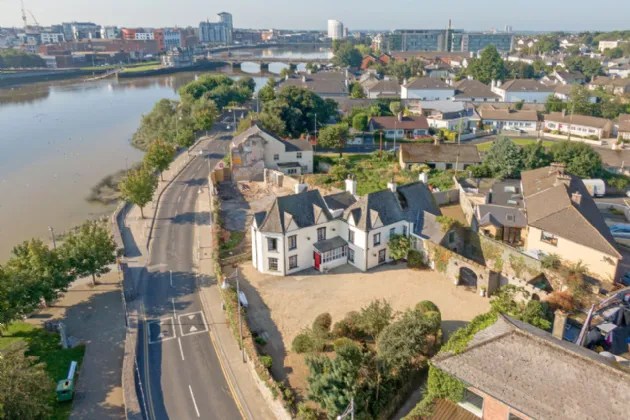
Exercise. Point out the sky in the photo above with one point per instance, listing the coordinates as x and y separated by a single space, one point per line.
533 15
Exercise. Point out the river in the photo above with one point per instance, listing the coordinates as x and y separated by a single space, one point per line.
59 139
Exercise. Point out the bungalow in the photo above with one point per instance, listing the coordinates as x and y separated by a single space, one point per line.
513 370
579 125
256 149
451 120
439 155
517 90
426 88
613 85
566 78
474 91
308 230
381 89
564 92
400 126
508 119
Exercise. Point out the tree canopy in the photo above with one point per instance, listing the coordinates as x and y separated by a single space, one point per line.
347 55
90 251
334 137
503 158
159 156
488 67
580 158
17 58
589 67
138 188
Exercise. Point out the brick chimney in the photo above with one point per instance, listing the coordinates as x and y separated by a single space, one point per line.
562 179
576 197
559 323
557 167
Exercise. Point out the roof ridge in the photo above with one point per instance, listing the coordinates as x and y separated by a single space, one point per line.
573 206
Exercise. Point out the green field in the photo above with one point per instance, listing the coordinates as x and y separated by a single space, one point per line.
483 147
141 68
46 346
126 66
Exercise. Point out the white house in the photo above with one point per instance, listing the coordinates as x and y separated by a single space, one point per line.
425 88
518 90
502 119
469 90
579 125
439 155
308 230
256 149
376 89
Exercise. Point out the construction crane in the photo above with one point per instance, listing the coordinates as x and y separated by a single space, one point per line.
26 25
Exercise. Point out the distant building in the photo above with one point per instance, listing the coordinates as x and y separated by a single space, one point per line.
605 45
248 37
52 38
220 32
508 29
81 30
335 29
176 57
110 32
477 41
173 39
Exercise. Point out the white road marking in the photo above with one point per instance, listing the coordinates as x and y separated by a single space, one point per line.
173 300
179 199
193 399
181 350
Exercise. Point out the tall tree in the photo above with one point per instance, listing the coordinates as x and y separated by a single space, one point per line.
42 268
334 137
159 156
503 158
360 122
534 156
267 93
90 251
159 123
25 387
579 101
204 113
19 295
347 56
374 317
356 91
590 67
138 188
554 104
580 158
489 66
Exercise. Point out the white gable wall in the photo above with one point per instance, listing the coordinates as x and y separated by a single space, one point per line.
427 94
274 147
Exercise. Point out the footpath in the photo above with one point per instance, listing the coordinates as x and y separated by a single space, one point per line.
135 232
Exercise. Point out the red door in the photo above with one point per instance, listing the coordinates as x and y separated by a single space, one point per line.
317 260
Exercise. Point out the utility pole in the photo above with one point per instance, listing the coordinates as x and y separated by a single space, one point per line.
571 120
381 145
52 235
315 128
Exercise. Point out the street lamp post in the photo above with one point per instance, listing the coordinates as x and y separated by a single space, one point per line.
52 235
240 321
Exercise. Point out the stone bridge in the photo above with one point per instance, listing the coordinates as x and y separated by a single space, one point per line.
236 61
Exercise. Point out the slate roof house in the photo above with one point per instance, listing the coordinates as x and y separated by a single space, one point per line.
400 126
517 90
474 91
439 155
501 119
563 219
256 149
513 370
308 230
328 84
580 125
426 88
623 126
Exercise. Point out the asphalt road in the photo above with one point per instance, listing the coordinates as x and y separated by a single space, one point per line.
181 373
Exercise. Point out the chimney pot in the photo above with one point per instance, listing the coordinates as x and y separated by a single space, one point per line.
392 185
576 197
423 177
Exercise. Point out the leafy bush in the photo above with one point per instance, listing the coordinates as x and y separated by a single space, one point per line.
349 326
266 361
322 323
550 261
260 340
415 260
340 329
398 246
304 342
342 343
427 306
306 412
562 300
339 172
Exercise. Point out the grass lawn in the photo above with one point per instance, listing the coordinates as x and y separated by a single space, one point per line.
110 67
46 346
141 68
483 147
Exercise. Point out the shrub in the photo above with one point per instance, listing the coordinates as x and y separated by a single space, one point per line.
340 329
562 300
322 323
260 340
342 343
266 361
415 260
339 172
306 412
550 261
349 326
427 306
304 342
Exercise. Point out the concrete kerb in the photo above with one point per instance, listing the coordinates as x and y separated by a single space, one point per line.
168 184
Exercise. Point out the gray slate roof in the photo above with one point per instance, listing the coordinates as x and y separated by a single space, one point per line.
407 203
550 208
473 89
584 120
330 244
289 145
338 201
300 207
427 83
525 85
501 216
539 375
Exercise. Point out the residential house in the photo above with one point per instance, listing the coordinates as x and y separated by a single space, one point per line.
439 71
579 125
623 127
370 60
308 230
613 85
425 88
621 71
517 90
382 89
563 219
460 121
502 216
504 118
605 45
474 91
616 161
328 84
439 155
568 78
256 149
513 370
528 59
400 126
564 92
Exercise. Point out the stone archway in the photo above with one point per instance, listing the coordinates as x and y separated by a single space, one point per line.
467 277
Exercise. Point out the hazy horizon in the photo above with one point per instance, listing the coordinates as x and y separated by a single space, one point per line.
537 16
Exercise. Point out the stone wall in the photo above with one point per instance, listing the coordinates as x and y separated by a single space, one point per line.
443 198
468 200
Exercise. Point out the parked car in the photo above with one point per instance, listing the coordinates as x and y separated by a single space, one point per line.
620 231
